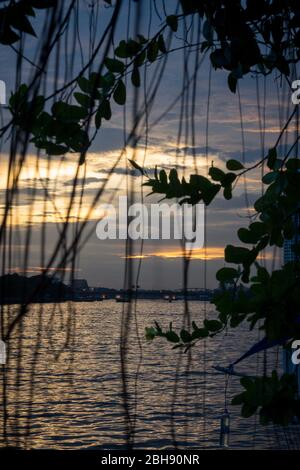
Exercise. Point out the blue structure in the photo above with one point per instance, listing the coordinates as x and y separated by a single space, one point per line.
289 255
288 252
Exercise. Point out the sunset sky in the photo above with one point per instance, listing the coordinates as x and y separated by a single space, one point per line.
102 262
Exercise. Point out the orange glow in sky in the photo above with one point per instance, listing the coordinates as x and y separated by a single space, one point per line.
210 253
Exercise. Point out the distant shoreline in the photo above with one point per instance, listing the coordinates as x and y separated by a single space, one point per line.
97 301
22 290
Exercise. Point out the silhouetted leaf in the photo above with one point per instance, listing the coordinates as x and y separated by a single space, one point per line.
150 333
185 336
272 156
248 410
54 149
227 193
189 6
172 21
137 166
227 274
43 4
21 23
104 110
68 112
135 77
161 44
83 99
85 85
172 337
234 165
114 65
152 51
163 177
120 93
213 325
207 31
236 254
269 178
8 36
238 399
293 164
199 333
232 82
98 119
216 174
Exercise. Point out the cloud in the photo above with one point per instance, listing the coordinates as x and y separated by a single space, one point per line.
26 191
237 202
86 181
108 139
121 171
190 150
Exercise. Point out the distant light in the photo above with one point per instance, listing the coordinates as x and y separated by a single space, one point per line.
2 352
2 93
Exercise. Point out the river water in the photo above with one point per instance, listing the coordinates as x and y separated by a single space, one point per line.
63 381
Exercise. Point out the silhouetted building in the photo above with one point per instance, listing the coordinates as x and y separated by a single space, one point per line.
80 284
288 251
21 289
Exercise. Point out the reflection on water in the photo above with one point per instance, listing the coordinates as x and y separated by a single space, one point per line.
65 390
